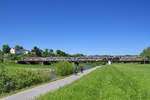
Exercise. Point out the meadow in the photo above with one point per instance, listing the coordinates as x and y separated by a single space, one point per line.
14 77
111 82
16 65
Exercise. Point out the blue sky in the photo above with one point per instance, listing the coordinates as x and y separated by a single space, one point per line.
114 27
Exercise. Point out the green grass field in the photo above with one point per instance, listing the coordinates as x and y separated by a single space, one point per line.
15 65
115 82
19 77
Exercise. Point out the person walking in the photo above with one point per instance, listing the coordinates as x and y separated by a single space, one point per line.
76 70
81 69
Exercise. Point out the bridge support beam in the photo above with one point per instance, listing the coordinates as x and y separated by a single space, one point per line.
75 63
43 63
109 62
46 63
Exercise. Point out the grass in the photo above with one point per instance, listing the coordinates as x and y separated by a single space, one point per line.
33 86
32 76
114 82
15 65
22 67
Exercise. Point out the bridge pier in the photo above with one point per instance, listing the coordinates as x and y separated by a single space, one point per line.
45 63
109 62
76 63
73 63
42 63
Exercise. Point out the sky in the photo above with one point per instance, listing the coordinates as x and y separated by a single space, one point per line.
112 27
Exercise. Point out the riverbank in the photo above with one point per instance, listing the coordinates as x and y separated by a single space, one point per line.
35 92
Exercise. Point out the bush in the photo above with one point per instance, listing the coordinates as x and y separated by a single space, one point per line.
1 57
14 79
45 76
63 68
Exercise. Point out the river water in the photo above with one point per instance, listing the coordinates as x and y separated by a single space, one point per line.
54 76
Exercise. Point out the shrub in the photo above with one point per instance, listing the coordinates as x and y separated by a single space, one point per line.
45 76
14 79
1 57
63 68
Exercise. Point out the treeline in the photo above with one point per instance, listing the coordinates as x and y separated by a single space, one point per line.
35 52
146 52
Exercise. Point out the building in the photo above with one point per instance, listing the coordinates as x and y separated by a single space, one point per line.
19 51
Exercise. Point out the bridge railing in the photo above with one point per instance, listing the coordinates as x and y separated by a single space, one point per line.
71 59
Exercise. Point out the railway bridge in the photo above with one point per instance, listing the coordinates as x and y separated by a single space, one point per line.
84 59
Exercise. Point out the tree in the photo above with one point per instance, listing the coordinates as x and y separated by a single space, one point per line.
1 56
61 53
58 52
18 47
51 51
6 49
37 51
78 55
52 55
146 52
13 57
29 55
45 53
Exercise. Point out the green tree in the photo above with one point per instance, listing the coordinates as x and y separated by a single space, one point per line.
61 53
6 49
78 55
37 51
45 53
13 57
146 52
52 55
1 56
29 55
18 47
51 51
58 52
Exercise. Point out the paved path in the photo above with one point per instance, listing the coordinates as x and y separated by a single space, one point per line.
41 90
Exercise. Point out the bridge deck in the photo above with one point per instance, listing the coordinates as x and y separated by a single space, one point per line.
82 59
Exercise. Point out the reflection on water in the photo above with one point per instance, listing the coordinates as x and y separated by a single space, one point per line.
86 67
51 73
54 76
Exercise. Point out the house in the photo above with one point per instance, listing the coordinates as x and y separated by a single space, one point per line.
19 51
